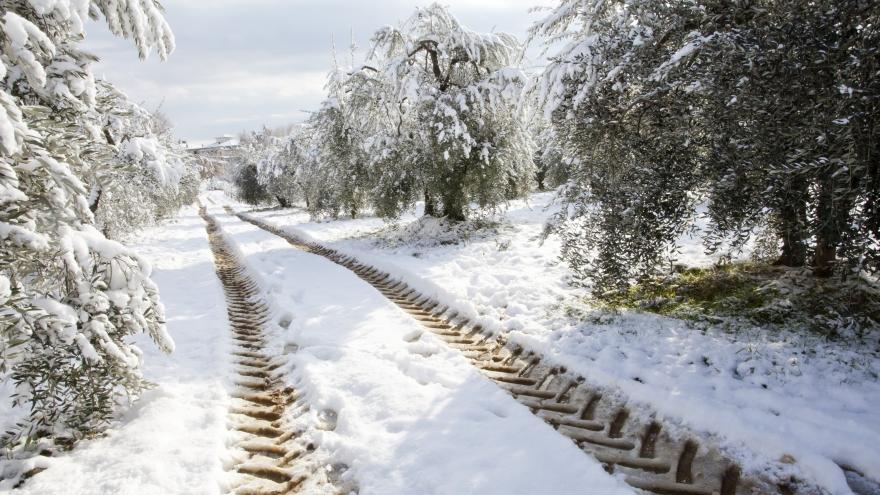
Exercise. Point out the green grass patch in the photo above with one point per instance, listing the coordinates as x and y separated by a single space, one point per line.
757 294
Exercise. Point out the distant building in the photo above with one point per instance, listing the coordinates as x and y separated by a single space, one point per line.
216 155
220 146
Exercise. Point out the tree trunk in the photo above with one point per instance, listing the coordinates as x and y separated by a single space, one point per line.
794 253
454 206
540 177
282 201
97 192
455 214
430 205
832 243
828 230
793 217
455 200
823 260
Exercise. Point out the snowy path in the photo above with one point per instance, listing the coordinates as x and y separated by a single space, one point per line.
390 405
173 440
411 415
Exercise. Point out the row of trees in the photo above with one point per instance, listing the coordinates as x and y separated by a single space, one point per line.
432 115
78 162
766 110
763 110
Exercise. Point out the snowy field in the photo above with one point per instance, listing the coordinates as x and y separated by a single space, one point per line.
793 397
409 414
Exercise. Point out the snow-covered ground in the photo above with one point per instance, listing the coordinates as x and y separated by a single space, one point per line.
173 441
412 416
769 396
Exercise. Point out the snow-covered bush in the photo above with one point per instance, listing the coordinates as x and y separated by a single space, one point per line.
248 187
552 164
69 297
340 162
137 199
630 190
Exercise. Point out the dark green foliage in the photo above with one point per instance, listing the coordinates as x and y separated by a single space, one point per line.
765 110
799 141
248 186
72 395
395 192
637 166
341 170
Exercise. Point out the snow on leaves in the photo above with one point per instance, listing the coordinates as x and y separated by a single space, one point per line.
71 296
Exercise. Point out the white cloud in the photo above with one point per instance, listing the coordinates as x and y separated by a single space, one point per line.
240 64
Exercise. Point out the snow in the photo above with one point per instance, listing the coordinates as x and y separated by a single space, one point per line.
412 415
409 415
75 11
21 33
766 395
10 127
695 42
225 141
173 441
21 236
5 289
167 170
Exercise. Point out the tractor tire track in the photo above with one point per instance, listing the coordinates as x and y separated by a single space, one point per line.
272 459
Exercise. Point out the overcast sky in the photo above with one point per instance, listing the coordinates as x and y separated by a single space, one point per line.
240 64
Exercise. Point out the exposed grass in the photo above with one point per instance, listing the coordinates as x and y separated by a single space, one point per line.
757 294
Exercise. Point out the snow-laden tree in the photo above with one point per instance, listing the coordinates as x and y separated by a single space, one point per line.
147 176
69 297
552 164
245 160
282 168
340 159
628 130
437 103
664 104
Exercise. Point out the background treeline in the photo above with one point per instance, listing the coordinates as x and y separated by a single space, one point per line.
764 112
79 164
432 115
